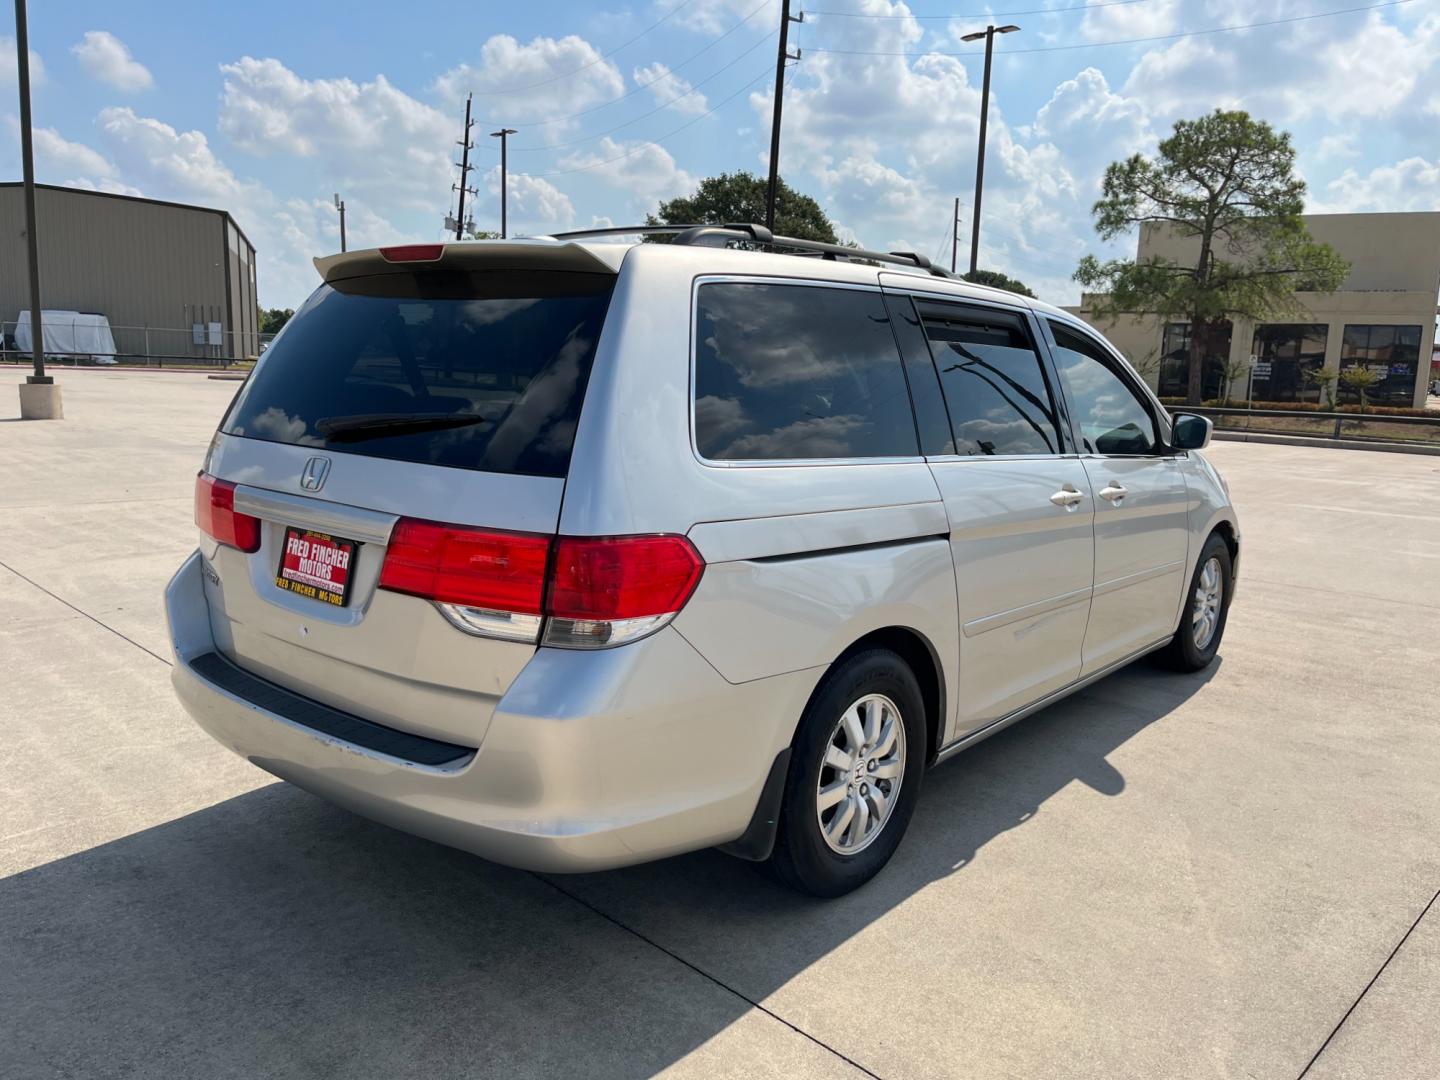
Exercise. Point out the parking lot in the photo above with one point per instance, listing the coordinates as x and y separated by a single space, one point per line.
1162 876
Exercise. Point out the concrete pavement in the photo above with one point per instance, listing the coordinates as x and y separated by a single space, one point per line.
1163 876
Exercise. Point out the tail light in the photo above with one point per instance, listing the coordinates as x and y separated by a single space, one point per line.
608 590
216 516
488 583
583 592
412 253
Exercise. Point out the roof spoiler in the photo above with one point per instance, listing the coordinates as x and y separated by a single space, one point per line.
531 254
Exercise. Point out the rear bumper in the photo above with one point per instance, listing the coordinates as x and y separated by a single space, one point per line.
591 760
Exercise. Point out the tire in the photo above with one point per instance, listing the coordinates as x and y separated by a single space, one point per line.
1185 653
875 683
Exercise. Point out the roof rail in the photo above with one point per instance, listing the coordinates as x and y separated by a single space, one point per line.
733 232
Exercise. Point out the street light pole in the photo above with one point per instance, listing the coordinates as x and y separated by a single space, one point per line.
989 35
27 157
39 396
340 205
503 135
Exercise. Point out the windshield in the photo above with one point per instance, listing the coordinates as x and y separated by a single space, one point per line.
472 369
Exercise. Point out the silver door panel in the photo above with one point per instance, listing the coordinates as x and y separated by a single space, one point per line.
1141 554
1023 574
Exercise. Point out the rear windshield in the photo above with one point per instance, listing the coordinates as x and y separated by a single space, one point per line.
472 369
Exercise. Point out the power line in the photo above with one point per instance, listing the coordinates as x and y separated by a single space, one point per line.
982 14
1125 41
599 59
639 86
659 138
659 108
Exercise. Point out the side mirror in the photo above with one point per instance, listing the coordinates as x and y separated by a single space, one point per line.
1190 432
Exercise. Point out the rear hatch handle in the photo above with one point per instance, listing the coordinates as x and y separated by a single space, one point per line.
352 522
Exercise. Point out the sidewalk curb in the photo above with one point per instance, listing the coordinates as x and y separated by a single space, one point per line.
1333 444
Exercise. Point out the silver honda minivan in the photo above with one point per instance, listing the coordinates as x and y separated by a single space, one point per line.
577 553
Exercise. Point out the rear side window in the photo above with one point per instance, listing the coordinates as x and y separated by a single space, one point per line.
1111 416
474 370
785 372
994 384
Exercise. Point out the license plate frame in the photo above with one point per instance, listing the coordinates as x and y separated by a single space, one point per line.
306 556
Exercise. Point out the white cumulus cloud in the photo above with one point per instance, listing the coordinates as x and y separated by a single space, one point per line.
645 171
515 83
9 69
670 90
385 142
106 58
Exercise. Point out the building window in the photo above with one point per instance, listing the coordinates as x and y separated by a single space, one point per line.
1392 352
1284 352
1175 361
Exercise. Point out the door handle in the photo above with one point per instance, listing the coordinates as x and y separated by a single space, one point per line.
1067 497
1113 492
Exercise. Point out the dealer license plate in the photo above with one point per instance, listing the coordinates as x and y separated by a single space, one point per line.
316 565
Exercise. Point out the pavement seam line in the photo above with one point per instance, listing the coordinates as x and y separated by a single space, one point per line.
1249 580
1356 1003
80 611
706 975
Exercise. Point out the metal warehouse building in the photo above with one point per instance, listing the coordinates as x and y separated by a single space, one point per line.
176 282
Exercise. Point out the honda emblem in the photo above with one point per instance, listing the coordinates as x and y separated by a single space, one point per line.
316 469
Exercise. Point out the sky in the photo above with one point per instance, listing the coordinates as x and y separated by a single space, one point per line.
266 109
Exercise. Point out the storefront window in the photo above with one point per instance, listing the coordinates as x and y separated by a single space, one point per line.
1175 360
1284 352
1392 352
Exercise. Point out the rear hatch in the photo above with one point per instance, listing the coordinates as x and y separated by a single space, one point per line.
416 386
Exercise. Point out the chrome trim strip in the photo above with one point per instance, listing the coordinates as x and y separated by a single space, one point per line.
987 623
347 522
1135 579
996 726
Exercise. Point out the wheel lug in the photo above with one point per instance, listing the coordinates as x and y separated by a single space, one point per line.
873 765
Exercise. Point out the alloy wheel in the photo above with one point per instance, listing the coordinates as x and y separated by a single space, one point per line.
860 774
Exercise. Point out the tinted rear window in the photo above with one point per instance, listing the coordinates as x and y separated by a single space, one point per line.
994 385
798 372
475 370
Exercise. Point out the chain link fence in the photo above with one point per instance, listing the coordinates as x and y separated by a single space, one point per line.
202 345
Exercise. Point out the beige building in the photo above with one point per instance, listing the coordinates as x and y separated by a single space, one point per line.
1382 317
173 280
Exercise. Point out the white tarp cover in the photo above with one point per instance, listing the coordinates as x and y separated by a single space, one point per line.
75 333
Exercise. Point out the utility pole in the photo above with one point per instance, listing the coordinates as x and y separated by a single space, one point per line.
465 147
503 135
783 55
340 205
39 396
955 234
989 35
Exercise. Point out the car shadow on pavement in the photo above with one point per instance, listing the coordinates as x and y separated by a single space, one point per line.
273 935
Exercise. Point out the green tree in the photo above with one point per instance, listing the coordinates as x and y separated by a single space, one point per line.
1228 181
997 280
1359 379
740 197
1323 379
1236 373
272 319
